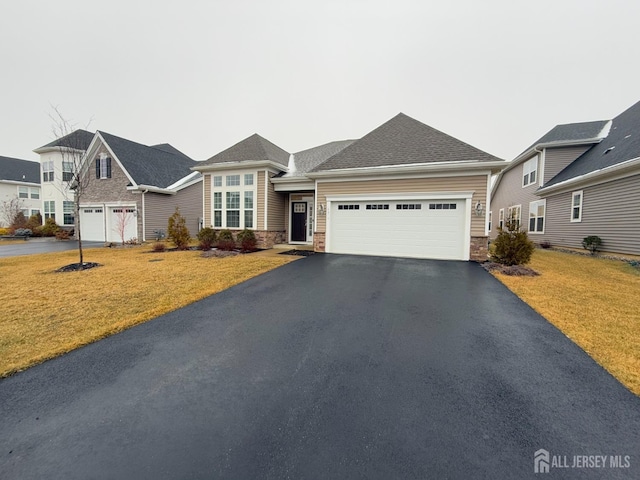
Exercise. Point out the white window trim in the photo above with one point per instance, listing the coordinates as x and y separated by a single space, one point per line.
528 169
573 196
532 206
518 208
241 189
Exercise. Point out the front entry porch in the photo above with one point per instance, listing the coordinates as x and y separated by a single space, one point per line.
300 212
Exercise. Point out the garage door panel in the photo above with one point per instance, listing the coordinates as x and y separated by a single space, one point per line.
92 221
414 230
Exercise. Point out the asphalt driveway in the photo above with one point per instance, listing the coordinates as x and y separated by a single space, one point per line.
329 367
42 245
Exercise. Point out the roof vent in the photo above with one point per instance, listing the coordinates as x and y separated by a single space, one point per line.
608 150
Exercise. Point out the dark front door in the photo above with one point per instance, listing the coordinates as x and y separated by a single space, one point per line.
299 222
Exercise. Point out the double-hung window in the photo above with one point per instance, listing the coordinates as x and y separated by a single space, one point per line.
501 218
23 192
49 209
35 193
103 167
233 201
530 171
576 206
47 171
67 210
536 216
67 171
514 213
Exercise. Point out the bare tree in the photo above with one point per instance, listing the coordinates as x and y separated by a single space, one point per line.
72 147
123 219
9 210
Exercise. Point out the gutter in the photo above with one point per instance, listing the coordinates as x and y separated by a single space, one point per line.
212 167
411 168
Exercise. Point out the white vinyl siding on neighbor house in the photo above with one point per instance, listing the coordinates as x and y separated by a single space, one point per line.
233 205
576 206
536 216
530 171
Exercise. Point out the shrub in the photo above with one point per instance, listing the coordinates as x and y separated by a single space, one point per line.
225 240
35 224
247 240
159 247
592 243
545 244
50 228
512 245
207 237
131 241
62 234
5 231
177 231
22 232
19 222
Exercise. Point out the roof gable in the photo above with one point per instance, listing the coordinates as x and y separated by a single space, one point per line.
621 144
78 139
404 141
159 167
16 170
251 148
307 160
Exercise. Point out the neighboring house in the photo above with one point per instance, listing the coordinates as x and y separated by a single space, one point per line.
133 189
57 173
405 190
578 180
20 179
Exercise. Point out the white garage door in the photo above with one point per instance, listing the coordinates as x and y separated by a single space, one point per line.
413 228
92 224
122 221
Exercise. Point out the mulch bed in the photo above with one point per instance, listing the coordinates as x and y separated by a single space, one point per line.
299 253
513 270
76 267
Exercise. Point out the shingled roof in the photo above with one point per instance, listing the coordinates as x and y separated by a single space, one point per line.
154 166
78 139
404 141
16 170
251 148
307 160
622 144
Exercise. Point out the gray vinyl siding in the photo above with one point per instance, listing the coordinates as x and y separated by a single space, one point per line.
557 159
610 210
509 193
159 207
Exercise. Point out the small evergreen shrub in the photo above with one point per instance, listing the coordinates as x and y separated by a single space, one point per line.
50 228
177 231
592 243
225 240
159 247
35 224
22 232
207 238
512 245
247 240
19 222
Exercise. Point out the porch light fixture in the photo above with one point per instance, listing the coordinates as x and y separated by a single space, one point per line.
478 209
321 209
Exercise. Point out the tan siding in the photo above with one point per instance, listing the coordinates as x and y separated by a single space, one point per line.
509 193
556 159
207 215
260 201
275 218
159 207
287 209
610 210
476 183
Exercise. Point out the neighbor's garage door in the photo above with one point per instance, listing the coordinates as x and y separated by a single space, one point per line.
421 229
92 224
122 221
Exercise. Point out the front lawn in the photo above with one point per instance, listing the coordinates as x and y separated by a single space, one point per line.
44 314
594 302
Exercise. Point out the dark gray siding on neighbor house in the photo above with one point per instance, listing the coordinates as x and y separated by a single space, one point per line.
610 210
159 207
509 193
557 159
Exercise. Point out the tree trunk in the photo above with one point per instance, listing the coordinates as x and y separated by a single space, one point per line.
78 234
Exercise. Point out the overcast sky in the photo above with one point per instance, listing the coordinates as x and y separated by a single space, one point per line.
203 75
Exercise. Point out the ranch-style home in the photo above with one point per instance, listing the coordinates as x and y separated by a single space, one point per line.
405 189
578 180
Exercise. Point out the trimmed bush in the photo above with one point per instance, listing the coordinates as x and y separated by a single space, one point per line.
5 231
19 222
35 224
22 232
159 247
247 240
225 240
178 232
62 234
207 238
512 245
50 228
592 243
